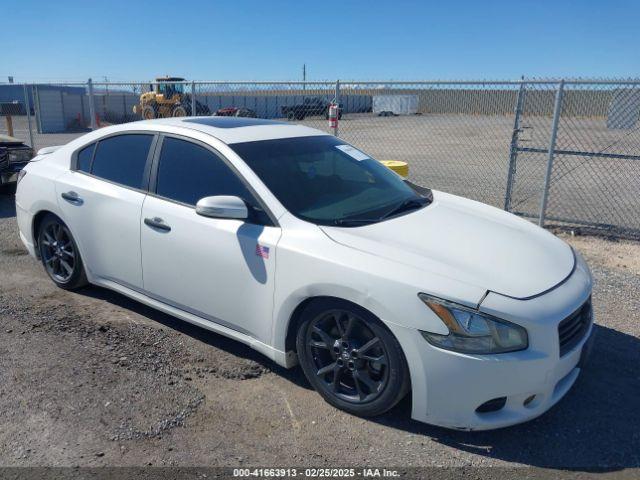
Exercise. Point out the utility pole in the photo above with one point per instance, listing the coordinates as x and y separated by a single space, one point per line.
304 76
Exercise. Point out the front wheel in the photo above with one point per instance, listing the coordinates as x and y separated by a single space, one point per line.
148 112
179 111
59 254
351 358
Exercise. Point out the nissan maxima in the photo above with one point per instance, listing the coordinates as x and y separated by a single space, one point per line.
310 251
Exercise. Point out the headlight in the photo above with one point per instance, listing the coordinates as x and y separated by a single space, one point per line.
19 156
471 331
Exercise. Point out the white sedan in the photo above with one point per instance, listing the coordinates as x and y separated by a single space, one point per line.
308 250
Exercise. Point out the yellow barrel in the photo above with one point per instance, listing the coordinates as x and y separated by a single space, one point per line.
401 168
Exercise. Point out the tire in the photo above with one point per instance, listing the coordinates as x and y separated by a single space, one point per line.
179 111
291 115
148 112
360 369
60 255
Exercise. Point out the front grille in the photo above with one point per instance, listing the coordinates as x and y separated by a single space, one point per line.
573 328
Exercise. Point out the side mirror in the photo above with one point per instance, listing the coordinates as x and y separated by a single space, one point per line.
222 206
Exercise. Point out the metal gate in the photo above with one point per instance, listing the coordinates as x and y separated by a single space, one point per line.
577 164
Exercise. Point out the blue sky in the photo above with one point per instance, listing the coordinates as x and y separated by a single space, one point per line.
351 40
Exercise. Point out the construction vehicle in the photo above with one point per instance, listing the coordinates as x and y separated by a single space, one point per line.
167 98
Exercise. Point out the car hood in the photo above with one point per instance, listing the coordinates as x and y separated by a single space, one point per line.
8 140
469 242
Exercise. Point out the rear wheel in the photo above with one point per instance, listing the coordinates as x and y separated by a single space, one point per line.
291 115
59 254
351 359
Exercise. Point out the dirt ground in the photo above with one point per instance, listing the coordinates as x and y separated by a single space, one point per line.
92 378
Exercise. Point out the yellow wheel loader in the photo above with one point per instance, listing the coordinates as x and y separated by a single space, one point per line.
167 98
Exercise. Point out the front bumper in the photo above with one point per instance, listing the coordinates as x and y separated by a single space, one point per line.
9 174
448 387
8 177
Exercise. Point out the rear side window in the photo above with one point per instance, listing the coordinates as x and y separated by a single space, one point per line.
84 158
122 159
188 172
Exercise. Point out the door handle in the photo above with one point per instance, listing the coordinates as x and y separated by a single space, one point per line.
72 197
158 223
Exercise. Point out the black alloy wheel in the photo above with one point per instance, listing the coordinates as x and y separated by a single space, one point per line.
353 361
59 254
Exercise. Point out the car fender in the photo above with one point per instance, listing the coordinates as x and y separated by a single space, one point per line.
324 268
284 314
37 192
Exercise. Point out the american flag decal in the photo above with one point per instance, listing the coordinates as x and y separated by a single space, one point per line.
262 251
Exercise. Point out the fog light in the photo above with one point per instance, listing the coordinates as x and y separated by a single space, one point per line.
528 400
492 405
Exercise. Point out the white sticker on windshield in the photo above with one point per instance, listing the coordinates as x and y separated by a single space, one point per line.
353 152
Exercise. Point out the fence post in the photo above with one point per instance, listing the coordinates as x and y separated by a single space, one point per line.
36 107
557 109
92 106
27 106
9 120
337 100
513 151
194 111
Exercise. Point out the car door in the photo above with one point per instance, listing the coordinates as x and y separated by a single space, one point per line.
101 200
219 269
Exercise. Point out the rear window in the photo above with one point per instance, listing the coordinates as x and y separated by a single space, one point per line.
122 159
84 158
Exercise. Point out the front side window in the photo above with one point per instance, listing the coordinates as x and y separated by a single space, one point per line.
325 181
122 159
188 172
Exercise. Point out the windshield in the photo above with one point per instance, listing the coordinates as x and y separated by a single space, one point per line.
169 89
323 180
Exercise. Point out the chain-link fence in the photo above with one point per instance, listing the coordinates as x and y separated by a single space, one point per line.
559 152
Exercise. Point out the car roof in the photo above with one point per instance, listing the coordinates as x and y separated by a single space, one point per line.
236 129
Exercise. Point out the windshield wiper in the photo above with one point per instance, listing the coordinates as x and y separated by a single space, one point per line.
350 222
405 205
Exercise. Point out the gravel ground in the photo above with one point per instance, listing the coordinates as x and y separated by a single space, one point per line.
92 379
